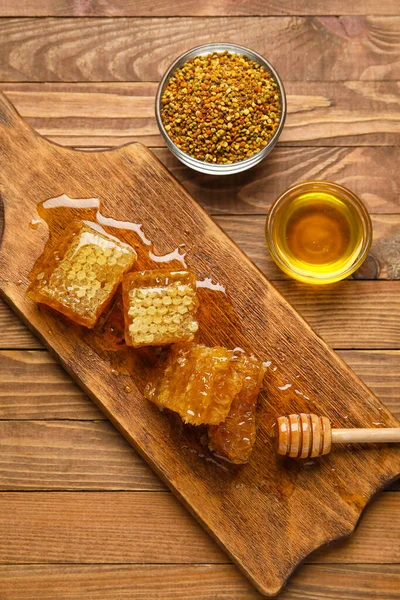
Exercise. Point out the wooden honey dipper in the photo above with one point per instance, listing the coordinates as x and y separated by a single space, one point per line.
307 436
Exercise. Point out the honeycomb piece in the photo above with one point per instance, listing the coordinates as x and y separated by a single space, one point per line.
234 438
159 307
197 382
82 274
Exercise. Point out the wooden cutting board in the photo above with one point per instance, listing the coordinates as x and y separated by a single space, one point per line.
270 514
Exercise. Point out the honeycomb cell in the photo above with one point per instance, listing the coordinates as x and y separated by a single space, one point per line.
234 438
159 307
197 382
77 281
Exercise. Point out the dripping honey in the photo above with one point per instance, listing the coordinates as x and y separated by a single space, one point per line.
318 232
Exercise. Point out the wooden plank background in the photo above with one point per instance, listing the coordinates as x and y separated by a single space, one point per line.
81 516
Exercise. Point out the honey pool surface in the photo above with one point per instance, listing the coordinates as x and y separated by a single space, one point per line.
318 235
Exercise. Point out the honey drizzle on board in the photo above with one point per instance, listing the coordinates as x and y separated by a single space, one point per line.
107 337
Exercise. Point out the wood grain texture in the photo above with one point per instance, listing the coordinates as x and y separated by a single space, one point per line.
63 455
14 333
152 527
34 386
130 182
142 8
197 582
337 313
371 172
128 49
379 370
97 114
350 314
80 527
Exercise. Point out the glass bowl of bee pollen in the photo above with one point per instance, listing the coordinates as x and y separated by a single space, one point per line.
269 103
318 232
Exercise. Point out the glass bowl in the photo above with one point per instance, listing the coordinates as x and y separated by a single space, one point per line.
305 196
211 168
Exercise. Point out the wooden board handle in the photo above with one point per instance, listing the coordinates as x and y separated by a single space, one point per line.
361 436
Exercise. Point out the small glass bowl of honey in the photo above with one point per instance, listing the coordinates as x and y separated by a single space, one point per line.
318 232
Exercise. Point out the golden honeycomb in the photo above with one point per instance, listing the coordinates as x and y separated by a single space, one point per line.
234 438
159 307
82 274
197 382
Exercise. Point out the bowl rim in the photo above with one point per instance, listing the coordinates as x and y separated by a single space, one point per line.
326 186
203 166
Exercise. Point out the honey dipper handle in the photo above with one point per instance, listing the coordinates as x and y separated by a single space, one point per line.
347 436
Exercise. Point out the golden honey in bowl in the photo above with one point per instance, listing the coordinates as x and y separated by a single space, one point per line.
318 232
